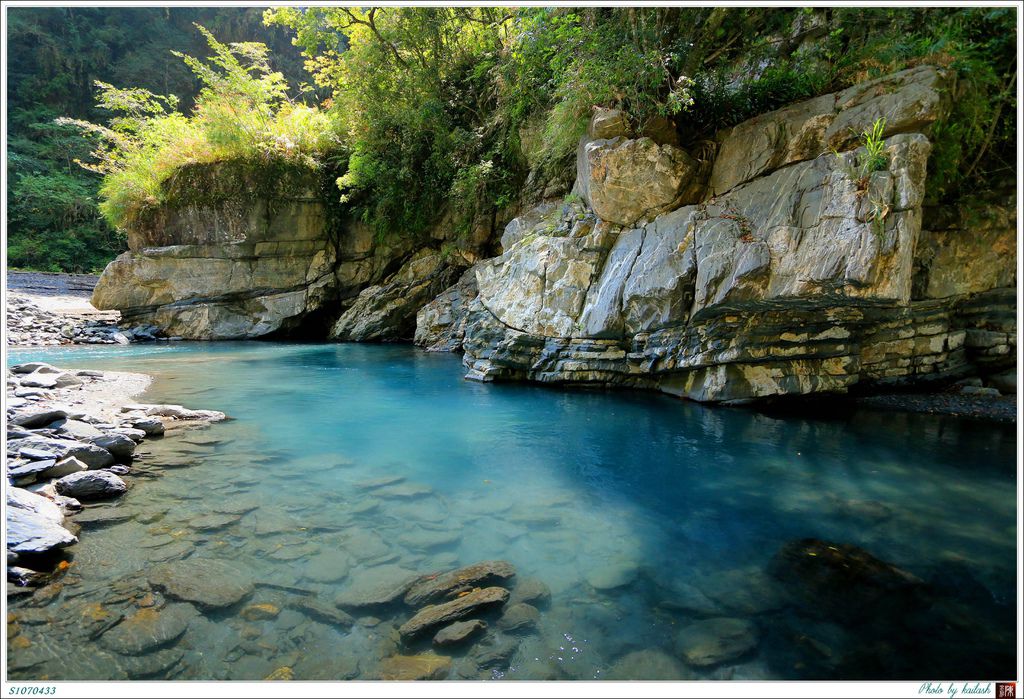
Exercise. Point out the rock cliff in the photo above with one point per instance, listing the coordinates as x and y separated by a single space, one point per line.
234 253
769 261
788 269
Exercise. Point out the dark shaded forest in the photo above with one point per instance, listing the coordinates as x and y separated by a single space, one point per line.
55 55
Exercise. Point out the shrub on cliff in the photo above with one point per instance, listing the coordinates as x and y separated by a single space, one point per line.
242 113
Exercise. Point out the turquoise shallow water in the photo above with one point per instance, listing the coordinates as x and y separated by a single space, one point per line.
641 513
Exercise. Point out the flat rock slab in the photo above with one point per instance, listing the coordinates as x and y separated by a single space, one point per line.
154 665
366 545
429 539
103 516
77 429
405 668
715 641
494 655
30 367
379 482
404 491
212 522
432 589
328 567
324 613
614 575
375 586
648 665
436 615
236 505
459 632
173 552
206 582
292 552
34 524
148 629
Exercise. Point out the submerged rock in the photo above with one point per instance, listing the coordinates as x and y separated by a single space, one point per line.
260 612
152 665
328 567
612 575
213 521
376 586
459 632
103 516
441 587
405 668
494 653
714 641
845 581
429 539
532 591
436 615
206 582
519 618
648 665
148 629
325 614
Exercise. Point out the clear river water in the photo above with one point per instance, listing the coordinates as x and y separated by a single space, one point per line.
644 515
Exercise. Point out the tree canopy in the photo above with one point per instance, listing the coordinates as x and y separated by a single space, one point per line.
463 112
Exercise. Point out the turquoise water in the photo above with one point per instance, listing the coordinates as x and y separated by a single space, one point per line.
628 506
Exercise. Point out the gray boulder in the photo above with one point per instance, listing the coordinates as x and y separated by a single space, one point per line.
76 429
34 524
91 485
627 181
92 455
120 445
32 367
38 418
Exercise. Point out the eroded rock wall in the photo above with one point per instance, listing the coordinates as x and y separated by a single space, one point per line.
796 272
236 254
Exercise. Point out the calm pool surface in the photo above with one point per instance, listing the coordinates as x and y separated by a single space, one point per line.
642 514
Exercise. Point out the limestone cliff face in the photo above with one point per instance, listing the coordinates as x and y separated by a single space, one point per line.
228 262
233 257
785 271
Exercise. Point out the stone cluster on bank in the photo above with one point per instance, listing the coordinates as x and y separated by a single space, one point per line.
29 325
64 450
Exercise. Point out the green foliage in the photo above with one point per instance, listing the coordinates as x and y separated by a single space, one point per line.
874 158
451 114
55 54
242 113
974 144
413 94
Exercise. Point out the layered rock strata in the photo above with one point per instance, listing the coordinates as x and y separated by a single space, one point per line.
235 254
804 272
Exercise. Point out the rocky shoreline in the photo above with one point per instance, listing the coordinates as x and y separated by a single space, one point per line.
71 439
31 325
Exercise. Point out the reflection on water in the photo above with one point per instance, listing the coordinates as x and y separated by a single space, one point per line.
655 524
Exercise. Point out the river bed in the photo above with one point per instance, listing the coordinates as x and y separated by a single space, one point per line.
650 520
